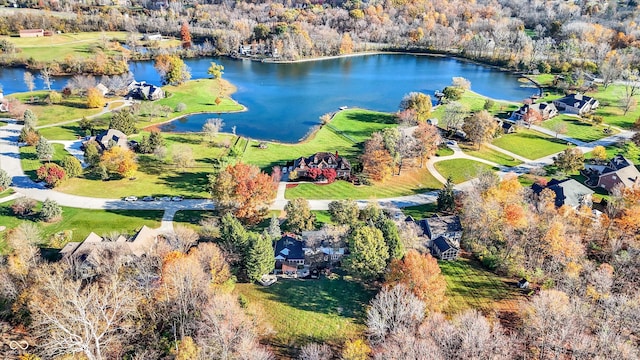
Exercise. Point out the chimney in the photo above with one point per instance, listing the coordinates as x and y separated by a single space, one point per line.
337 156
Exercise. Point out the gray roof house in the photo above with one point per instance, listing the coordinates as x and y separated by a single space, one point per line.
619 170
111 136
576 104
568 192
288 249
444 234
143 91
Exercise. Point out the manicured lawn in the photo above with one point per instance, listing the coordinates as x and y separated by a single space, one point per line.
420 211
611 150
530 144
444 151
578 129
490 155
469 286
73 107
30 162
7 192
83 221
192 217
543 79
356 124
475 102
410 182
303 311
461 170
63 132
611 109
322 217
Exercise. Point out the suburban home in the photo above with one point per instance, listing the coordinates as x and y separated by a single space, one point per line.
619 170
576 104
288 250
152 37
143 91
506 126
108 138
321 247
546 110
444 234
323 160
102 88
30 33
93 250
568 192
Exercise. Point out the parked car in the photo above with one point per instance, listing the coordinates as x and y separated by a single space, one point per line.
451 142
163 198
130 198
177 198
147 198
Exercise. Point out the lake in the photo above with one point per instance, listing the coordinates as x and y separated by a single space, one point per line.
285 101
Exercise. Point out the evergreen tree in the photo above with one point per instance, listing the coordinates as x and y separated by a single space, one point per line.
50 210
260 257
44 150
369 253
30 119
233 237
274 228
91 154
124 121
446 199
5 180
391 236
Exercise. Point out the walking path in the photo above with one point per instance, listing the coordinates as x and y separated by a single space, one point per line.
24 186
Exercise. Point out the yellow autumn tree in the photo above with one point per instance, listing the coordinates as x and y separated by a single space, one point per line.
119 160
346 45
599 153
95 99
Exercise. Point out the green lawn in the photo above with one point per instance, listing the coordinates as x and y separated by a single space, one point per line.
83 221
73 107
475 102
420 211
461 170
469 286
444 151
578 129
30 162
543 79
303 311
611 109
410 182
322 217
486 153
530 144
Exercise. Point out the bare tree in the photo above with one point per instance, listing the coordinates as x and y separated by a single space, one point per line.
45 75
314 351
211 128
29 80
394 310
182 238
454 115
70 316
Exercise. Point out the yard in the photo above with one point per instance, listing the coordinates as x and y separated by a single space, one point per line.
469 286
461 170
611 109
82 222
530 144
475 102
301 311
73 107
578 129
488 154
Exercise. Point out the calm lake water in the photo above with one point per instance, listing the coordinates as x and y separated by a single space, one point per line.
285 101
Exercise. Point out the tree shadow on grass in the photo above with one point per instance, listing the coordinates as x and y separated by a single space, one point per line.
154 215
184 140
192 182
371 117
150 165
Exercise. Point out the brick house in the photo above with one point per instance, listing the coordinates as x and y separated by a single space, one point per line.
323 160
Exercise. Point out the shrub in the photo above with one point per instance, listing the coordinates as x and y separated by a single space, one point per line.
71 166
597 119
55 97
51 174
5 180
181 107
23 206
453 93
51 211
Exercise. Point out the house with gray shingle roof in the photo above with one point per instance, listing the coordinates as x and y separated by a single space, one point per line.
568 192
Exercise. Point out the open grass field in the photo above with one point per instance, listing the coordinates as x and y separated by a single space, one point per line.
411 182
578 129
74 107
461 170
530 144
346 135
475 102
469 286
82 222
490 155
303 311
611 110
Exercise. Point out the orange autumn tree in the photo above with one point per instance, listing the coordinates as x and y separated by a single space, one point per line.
243 190
428 137
376 160
119 160
421 274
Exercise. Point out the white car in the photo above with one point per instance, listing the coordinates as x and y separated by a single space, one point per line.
177 198
130 198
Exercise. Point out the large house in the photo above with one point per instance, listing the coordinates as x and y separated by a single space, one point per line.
444 234
288 251
546 110
111 137
568 192
31 33
576 104
93 250
143 91
619 170
323 160
317 246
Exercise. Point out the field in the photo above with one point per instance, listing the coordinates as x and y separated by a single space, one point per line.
578 129
74 107
488 154
461 170
611 110
301 311
469 286
475 102
530 144
82 222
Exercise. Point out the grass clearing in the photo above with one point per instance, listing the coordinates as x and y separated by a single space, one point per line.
444 151
489 154
611 110
579 129
530 144
302 311
73 107
470 286
84 221
461 170
420 211
475 102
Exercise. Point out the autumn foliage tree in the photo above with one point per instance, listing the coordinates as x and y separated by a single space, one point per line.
480 127
243 190
185 35
377 162
172 69
120 161
419 102
421 274
428 137
95 99
52 174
